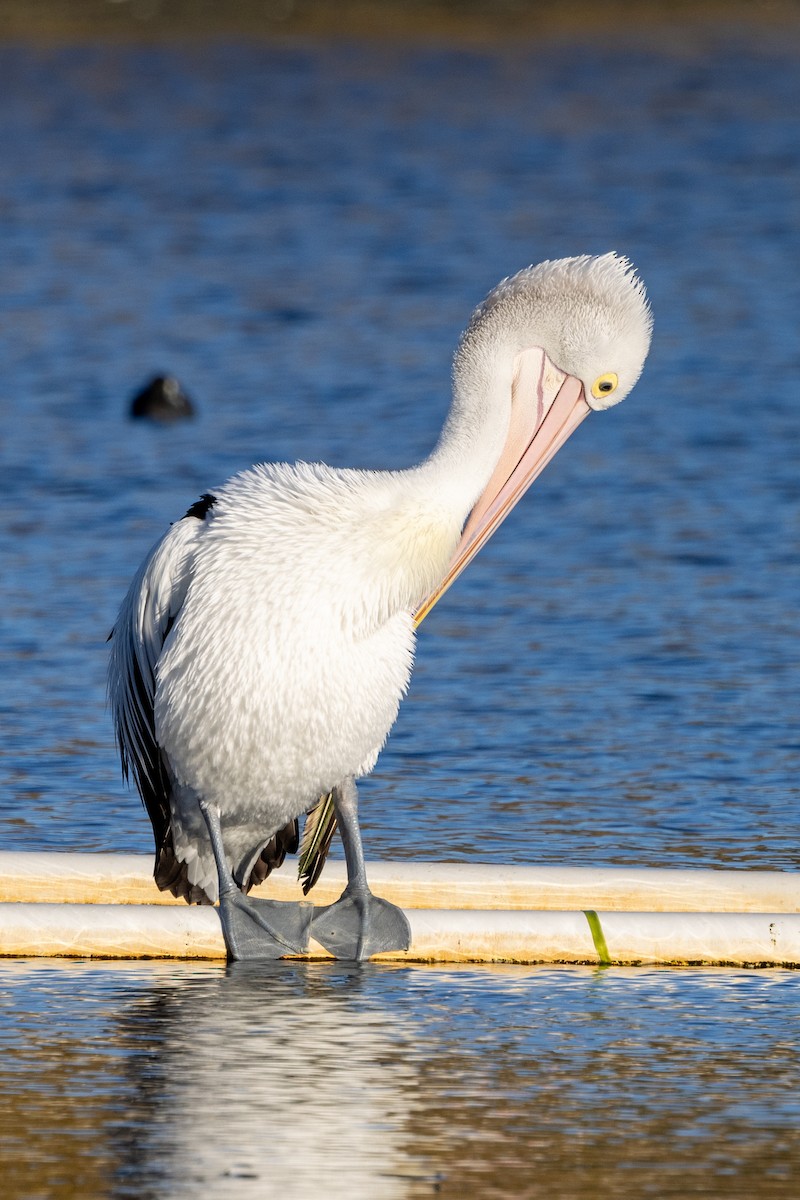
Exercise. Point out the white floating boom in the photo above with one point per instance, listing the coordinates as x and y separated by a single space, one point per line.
107 906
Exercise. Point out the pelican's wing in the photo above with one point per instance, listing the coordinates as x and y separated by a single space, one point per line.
147 614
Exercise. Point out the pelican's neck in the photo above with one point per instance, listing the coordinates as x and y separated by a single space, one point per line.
410 544
477 424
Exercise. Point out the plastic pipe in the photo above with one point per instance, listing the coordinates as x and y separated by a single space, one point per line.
162 931
127 879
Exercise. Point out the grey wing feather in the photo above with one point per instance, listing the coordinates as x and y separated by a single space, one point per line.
318 833
147 614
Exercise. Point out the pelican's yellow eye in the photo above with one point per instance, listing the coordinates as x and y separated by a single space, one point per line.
604 385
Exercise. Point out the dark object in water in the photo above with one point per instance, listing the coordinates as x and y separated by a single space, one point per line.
162 399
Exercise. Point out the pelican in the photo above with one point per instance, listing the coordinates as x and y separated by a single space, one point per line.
260 656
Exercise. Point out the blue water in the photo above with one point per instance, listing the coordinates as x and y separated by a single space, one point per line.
299 232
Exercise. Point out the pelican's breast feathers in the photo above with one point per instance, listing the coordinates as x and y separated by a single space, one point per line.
361 546
284 669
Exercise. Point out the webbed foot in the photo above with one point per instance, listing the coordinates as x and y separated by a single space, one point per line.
260 928
359 925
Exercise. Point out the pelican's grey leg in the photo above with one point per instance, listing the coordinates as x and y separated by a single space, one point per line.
358 924
254 928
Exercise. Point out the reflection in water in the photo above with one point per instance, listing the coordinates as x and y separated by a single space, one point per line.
267 1077
297 1080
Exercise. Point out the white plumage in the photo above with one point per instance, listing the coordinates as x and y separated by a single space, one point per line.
264 646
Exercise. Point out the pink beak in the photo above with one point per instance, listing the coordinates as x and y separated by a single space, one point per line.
546 406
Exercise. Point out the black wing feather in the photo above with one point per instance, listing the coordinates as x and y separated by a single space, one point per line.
147 615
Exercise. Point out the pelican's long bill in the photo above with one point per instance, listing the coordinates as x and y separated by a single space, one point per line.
547 406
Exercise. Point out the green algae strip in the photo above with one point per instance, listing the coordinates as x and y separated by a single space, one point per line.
598 937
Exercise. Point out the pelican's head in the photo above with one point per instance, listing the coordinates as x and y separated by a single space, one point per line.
590 316
547 347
